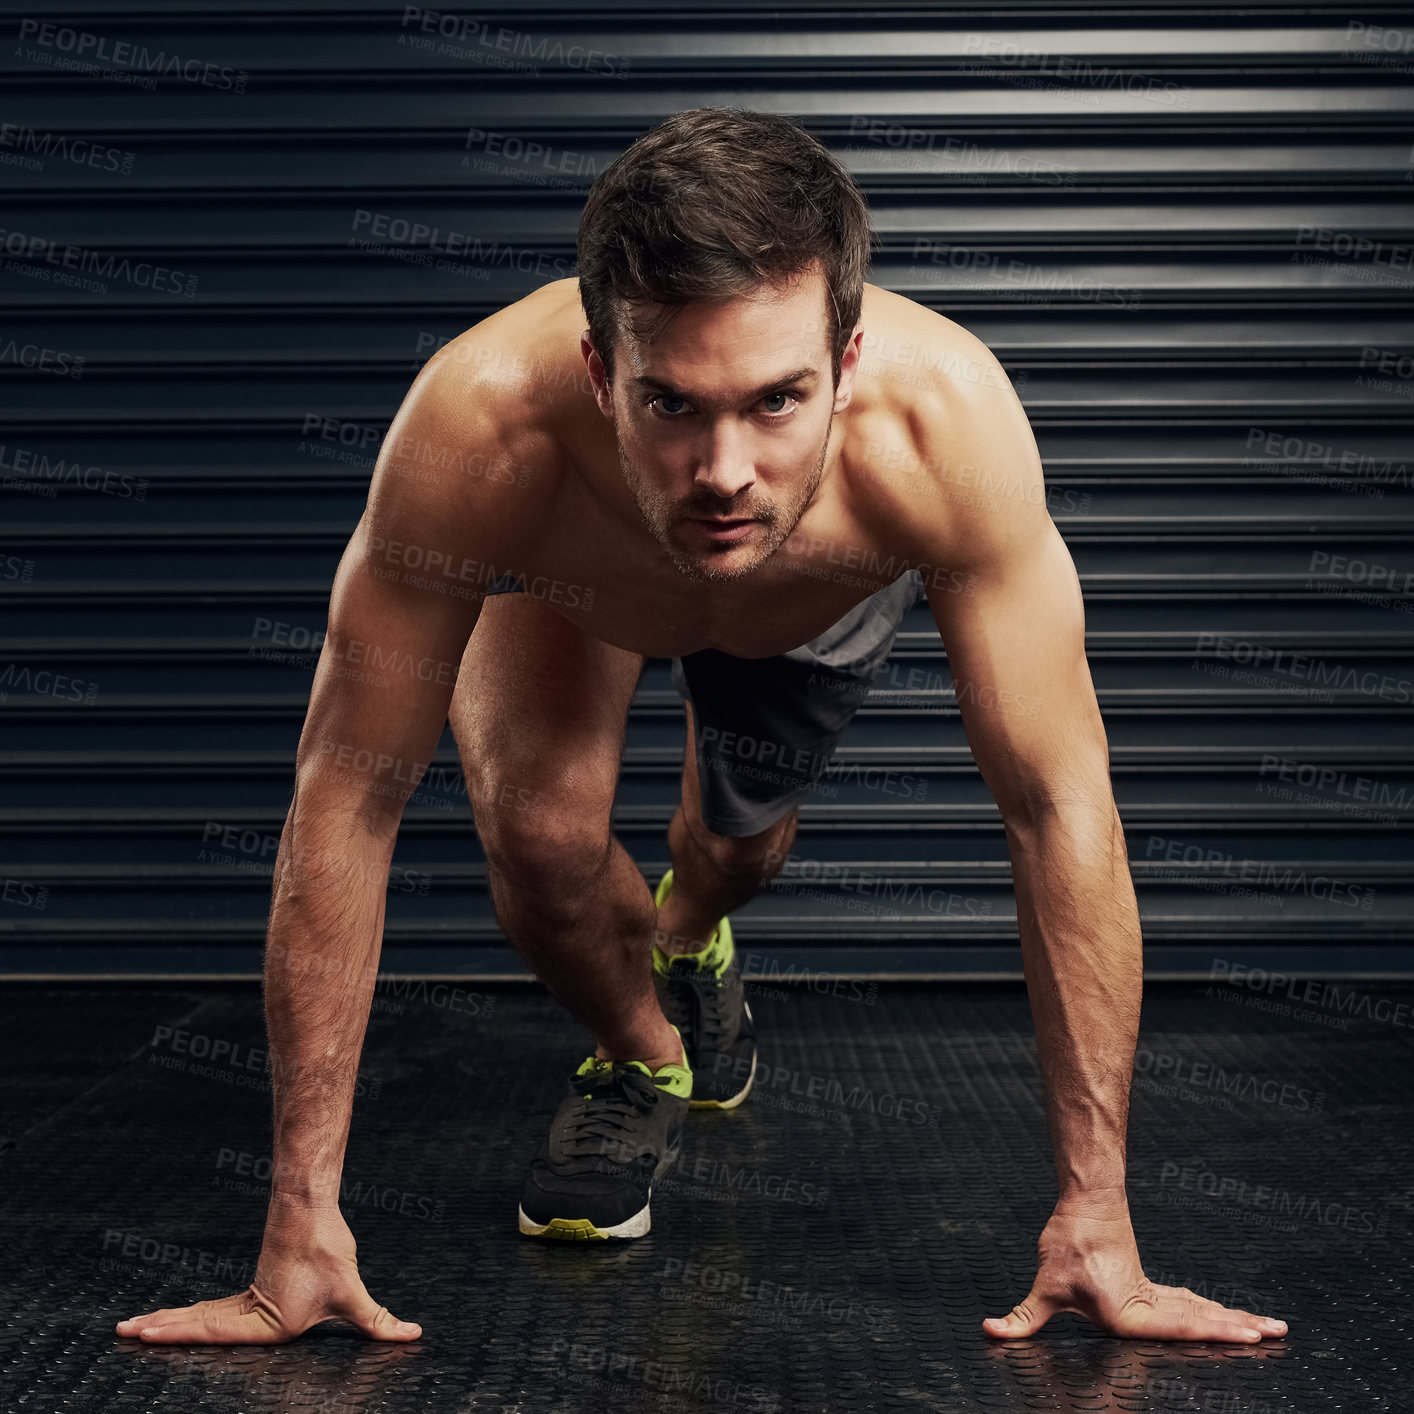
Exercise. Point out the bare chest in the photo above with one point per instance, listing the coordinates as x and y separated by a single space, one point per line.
617 585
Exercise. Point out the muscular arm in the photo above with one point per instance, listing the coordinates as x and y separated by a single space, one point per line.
1015 641
381 693
1011 616
380 697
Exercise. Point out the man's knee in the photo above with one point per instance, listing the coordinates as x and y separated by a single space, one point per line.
760 855
551 845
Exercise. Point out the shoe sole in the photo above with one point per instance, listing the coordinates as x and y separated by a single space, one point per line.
585 1230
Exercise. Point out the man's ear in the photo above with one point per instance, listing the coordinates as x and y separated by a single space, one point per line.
849 366
598 377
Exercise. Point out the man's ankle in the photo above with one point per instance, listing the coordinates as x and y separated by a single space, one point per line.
676 931
670 1051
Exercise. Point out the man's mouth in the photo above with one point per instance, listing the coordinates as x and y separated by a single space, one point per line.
719 528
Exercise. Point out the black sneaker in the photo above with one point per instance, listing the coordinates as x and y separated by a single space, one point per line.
616 1131
702 995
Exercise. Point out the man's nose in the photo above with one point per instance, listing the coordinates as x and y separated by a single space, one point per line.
727 467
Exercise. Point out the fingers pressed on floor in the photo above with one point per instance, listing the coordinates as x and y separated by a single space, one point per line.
230 1330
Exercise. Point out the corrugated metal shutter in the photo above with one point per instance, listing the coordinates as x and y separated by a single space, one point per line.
1187 233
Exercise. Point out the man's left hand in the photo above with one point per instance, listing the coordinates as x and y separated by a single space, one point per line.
1090 1265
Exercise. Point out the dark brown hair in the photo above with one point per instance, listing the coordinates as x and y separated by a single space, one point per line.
710 204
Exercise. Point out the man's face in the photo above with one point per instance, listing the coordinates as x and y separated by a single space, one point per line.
723 423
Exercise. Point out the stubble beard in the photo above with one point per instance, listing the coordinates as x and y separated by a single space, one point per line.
776 523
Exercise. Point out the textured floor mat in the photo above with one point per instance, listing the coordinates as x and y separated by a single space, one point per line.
830 1246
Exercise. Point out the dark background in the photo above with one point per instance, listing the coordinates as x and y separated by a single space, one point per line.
1187 233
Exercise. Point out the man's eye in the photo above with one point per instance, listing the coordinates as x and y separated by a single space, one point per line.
769 396
667 398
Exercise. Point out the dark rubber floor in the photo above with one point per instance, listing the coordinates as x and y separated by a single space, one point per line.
831 1246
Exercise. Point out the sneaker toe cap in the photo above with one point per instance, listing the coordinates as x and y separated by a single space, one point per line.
605 1201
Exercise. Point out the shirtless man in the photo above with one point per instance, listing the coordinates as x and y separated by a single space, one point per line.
718 445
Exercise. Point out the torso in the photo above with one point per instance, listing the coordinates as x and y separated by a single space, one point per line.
585 532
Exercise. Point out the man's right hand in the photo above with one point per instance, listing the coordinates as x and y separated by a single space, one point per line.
307 1273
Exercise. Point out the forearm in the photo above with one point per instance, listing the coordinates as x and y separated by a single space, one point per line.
321 961
1083 959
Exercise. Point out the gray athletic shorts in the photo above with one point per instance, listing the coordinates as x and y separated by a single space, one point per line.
766 728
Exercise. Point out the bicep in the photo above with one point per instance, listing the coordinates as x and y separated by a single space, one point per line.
399 618
383 685
1014 633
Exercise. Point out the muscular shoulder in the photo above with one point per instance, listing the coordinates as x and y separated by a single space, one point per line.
473 448
947 450
497 375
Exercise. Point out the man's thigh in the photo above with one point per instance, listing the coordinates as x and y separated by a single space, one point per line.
767 728
540 710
